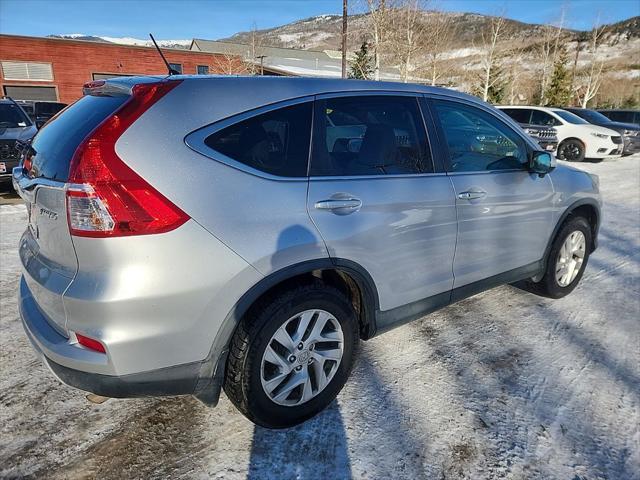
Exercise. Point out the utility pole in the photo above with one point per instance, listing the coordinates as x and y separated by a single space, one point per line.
261 57
344 38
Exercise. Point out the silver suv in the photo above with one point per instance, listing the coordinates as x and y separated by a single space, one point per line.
192 233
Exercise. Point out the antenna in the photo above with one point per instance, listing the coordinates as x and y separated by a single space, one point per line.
171 70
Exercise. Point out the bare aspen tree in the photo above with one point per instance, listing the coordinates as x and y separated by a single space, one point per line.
255 51
551 38
229 64
516 58
490 56
592 78
379 19
406 33
439 33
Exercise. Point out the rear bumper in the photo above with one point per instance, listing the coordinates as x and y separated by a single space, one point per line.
179 380
69 362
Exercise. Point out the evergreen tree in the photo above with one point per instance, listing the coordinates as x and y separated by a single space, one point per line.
630 102
362 64
559 90
497 85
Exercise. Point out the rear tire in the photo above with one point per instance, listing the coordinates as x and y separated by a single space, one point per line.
571 151
566 261
251 372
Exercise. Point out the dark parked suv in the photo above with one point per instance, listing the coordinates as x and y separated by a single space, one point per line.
627 116
629 132
15 126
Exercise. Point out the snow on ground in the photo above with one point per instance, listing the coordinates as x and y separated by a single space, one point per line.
502 385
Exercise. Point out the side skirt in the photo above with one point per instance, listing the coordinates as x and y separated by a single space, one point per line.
390 319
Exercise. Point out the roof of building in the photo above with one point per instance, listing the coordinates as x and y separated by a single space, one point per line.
288 61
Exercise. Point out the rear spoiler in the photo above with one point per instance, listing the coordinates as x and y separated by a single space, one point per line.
117 86
102 88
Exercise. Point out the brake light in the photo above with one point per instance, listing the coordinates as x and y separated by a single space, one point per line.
90 343
105 197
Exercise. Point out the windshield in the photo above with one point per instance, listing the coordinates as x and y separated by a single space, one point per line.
11 116
570 117
593 116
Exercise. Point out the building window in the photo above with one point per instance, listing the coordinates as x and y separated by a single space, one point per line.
176 66
27 71
25 92
203 70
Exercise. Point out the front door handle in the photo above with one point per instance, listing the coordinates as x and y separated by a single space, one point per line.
340 206
472 194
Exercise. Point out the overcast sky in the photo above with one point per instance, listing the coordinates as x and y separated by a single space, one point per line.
176 19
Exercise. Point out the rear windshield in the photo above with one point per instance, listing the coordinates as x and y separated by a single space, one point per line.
12 116
57 141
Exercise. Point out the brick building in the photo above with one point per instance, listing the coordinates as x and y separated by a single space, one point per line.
53 69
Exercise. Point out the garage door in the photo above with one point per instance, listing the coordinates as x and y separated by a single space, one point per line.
19 92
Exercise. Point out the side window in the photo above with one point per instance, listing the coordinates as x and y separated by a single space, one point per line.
369 135
275 142
477 140
615 116
539 117
520 115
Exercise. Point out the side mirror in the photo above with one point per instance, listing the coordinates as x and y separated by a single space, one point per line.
542 163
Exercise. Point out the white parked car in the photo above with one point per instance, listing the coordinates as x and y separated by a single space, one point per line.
577 138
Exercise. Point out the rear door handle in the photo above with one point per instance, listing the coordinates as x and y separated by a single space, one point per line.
472 194
346 205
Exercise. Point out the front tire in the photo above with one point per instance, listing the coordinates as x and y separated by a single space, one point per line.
571 151
291 355
567 260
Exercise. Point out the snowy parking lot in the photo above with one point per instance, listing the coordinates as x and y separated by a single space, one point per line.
502 385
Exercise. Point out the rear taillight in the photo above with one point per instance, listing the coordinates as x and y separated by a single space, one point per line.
27 163
105 197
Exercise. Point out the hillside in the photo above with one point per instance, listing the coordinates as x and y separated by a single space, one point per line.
520 49
460 56
324 32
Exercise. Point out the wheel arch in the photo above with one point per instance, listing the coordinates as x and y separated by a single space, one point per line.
348 276
587 208
565 140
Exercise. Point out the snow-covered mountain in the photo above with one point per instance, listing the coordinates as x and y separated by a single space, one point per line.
125 40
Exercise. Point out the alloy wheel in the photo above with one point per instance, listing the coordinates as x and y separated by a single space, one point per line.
570 258
570 152
302 357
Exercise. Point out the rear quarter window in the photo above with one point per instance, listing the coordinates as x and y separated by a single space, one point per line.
275 142
520 115
56 142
